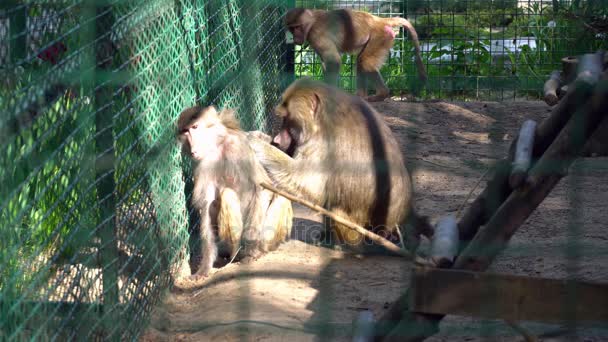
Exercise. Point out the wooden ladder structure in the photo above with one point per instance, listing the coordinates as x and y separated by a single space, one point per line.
460 286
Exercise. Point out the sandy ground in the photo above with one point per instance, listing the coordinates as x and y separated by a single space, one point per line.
302 291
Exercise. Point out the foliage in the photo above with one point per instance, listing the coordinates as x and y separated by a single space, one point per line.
557 35
494 43
437 25
458 6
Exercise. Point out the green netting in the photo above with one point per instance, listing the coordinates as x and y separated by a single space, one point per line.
483 49
93 195
93 215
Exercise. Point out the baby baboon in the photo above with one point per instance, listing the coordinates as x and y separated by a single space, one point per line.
338 152
331 33
227 192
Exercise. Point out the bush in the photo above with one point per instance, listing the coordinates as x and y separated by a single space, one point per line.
437 25
460 6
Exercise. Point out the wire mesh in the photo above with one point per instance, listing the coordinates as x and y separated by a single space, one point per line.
93 216
94 220
472 49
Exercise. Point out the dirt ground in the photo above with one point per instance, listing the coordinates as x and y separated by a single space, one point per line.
303 291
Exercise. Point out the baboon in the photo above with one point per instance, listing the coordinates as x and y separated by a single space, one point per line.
331 33
233 206
335 150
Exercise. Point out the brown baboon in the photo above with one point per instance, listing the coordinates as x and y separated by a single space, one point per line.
331 33
339 153
227 192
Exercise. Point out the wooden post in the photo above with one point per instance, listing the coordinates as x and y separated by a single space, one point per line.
551 88
444 246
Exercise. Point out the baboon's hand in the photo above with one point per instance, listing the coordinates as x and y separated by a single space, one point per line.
259 135
269 156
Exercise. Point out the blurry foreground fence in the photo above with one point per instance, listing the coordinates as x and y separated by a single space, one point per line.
93 219
93 191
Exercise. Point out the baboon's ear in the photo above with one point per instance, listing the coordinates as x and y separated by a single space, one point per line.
315 104
228 114
228 118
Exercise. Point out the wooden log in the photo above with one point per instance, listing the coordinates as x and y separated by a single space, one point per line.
444 244
508 297
523 154
551 88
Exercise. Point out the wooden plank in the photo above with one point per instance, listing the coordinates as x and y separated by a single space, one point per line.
510 297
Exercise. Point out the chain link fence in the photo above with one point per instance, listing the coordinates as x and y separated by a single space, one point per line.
93 216
94 221
489 50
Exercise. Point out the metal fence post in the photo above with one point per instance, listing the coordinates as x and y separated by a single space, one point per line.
17 31
97 21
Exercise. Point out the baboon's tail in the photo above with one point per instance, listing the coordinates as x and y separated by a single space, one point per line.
415 226
397 21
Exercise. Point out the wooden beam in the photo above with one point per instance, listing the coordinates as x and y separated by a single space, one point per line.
508 297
